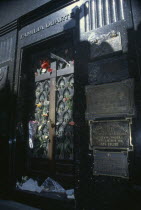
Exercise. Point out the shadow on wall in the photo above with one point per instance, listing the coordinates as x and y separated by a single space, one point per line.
87 51
90 52
4 130
134 60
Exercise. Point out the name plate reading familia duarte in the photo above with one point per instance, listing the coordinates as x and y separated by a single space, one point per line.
47 25
115 134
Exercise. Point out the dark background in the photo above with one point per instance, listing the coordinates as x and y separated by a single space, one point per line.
10 10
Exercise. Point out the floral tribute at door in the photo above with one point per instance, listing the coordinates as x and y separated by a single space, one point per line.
39 128
46 68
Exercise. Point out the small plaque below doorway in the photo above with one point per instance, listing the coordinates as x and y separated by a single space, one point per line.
114 134
111 163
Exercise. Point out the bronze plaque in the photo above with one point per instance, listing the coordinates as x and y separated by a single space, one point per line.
110 100
108 70
114 134
104 44
111 163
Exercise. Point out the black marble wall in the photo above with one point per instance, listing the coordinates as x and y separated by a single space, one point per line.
97 60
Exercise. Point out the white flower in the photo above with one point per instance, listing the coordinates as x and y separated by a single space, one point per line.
30 143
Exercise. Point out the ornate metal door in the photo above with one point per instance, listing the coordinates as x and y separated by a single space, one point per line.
53 112
48 102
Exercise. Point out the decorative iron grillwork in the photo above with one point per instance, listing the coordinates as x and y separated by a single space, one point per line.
41 123
64 119
51 67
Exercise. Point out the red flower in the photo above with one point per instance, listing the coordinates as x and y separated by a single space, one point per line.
49 70
45 115
72 123
45 65
65 99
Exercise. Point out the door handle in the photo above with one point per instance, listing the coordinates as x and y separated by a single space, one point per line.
52 123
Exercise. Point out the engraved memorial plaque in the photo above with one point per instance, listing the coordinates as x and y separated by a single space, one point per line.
114 134
105 44
111 163
108 70
110 100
